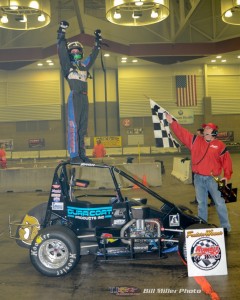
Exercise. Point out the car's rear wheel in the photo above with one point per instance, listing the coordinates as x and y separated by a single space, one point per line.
182 249
55 251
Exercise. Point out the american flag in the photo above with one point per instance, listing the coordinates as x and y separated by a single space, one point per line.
186 90
162 133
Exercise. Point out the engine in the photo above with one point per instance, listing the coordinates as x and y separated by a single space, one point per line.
141 233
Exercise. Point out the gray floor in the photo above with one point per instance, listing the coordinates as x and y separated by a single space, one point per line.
96 280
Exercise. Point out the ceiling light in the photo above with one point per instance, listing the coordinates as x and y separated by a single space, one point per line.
219 56
230 11
154 14
24 14
117 14
228 14
213 60
138 3
41 18
13 5
137 13
34 4
4 19
223 60
106 55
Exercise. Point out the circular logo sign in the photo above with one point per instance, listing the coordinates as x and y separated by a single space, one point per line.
206 253
126 122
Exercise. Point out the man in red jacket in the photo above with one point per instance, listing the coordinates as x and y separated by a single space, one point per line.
3 157
99 150
210 157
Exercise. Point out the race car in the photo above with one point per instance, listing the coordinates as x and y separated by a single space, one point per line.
111 221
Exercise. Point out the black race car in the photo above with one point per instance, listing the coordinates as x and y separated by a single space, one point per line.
123 218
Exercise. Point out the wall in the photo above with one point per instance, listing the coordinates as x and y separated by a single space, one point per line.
31 102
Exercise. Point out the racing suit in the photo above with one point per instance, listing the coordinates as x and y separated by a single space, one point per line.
76 74
3 158
209 158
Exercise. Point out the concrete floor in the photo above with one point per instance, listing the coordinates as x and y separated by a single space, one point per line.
93 279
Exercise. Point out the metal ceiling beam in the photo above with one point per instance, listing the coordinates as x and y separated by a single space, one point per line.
183 17
147 50
78 6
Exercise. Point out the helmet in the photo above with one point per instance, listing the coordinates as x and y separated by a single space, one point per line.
75 45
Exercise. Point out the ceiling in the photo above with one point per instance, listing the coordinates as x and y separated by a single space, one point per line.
193 33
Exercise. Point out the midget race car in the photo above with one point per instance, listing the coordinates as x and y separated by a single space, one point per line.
124 218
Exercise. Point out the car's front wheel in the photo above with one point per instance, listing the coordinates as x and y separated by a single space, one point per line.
55 251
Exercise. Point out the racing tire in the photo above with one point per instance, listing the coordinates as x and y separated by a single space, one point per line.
182 249
55 251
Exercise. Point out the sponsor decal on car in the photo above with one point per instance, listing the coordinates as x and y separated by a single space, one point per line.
92 213
57 206
108 237
56 199
56 191
55 195
174 220
56 186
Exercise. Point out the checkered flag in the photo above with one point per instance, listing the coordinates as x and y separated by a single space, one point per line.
161 128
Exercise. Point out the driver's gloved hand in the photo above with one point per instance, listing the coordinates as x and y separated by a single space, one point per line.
63 26
62 29
98 38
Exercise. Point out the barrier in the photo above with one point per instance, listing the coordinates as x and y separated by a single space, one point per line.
117 151
25 180
33 179
182 170
53 153
25 154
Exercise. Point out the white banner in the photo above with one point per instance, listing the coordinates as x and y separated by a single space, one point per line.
206 254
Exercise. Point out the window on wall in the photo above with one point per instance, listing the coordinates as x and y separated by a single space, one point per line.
28 126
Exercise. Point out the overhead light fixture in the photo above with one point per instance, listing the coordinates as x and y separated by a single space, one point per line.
137 13
230 11
24 14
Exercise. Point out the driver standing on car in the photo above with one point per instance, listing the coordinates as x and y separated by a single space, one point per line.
210 157
76 72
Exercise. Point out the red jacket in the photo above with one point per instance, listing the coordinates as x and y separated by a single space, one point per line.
208 158
2 154
99 151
